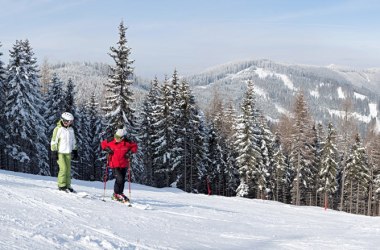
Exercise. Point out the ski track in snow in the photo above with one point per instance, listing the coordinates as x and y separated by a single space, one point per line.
35 215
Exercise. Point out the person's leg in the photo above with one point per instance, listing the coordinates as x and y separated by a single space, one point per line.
68 170
119 174
123 172
62 171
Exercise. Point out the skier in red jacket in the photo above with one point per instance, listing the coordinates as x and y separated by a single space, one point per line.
119 150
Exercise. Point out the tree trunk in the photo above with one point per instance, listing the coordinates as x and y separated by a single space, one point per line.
351 198
342 190
357 200
298 181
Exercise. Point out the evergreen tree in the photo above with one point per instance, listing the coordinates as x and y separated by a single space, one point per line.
357 177
246 144
217 165
190 140
118 103
69 98
2 104
347 131
372 147
54 103
95 127
329 166
231 172
25 127
301 154
279 168
147 131
266 169
163 144
179 117
316 147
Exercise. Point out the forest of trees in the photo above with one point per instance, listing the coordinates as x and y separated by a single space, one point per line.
218 151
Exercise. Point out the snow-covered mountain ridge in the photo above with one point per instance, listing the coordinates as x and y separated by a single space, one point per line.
35 215
276 84
325 88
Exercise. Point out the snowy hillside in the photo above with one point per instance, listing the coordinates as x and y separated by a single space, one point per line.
367 78
34 215
325 88
276 84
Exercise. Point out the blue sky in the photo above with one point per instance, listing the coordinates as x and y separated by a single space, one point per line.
192 35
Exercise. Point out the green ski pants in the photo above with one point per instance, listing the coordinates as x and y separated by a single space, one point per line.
64 174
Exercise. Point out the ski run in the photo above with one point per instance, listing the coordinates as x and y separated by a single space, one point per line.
35 215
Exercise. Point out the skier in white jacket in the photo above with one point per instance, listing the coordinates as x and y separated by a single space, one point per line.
63 144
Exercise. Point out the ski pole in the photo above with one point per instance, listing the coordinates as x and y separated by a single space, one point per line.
129 179
105 178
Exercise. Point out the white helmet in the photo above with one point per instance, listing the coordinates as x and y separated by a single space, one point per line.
67 116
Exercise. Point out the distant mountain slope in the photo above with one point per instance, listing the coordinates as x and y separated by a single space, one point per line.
277 84
369 78
89 78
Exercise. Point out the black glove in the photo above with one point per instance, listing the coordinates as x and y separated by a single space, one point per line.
127 139
75 154
54 155
128 154
108 150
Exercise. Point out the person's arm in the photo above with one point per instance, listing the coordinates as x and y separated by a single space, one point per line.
105 145
54 140
133 147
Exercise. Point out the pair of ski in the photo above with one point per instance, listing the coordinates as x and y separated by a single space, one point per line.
130 204
126 202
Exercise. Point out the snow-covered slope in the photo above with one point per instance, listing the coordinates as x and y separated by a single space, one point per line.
34 215
276 84
367 78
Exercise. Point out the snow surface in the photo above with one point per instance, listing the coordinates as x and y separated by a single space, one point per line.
35 215
359 96
264 73
340 93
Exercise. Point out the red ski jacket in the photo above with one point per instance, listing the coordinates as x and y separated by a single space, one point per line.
118 158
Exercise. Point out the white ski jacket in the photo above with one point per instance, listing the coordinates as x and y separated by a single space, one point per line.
63 139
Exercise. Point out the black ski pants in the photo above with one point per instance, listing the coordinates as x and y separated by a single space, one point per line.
119 174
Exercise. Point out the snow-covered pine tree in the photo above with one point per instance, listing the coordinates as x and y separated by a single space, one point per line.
347 131
147 131
266 170
357 177
372 147
2 104
53 109
190 140
54 103
316 147
216 165
246 145
178 131
119 97
301 154
25 127
95 125
69 97
279 168
163 144
231 172
329 167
